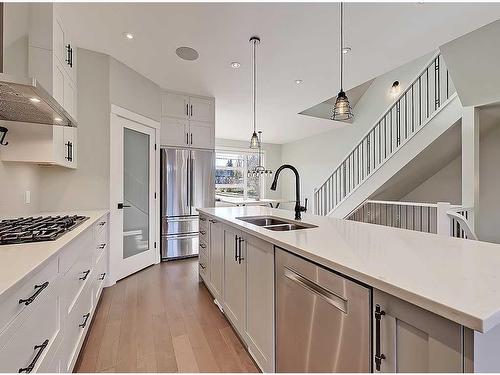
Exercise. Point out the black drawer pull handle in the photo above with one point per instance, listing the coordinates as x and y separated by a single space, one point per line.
85 318
213 221
103 222
203 219
203 246
40 349
103 275
378 356
202 266
102 246
85 274
38 290
202 232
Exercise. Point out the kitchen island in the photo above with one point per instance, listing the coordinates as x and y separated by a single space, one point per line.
439 295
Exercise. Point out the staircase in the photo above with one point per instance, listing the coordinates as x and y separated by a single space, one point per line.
423 112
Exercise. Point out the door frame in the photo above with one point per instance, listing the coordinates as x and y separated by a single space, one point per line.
115 230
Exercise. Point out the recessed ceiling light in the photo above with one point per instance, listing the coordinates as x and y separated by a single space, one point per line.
187 53
235 65
346 50
299 81
128 36
35 100
58 119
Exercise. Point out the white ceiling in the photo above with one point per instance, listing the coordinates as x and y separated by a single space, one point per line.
299 41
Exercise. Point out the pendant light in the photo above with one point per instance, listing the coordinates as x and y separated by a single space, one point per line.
259 169
342 110
254 141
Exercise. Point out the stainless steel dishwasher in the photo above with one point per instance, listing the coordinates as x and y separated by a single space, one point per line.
322 319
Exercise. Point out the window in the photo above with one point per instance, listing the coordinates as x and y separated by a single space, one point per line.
231 179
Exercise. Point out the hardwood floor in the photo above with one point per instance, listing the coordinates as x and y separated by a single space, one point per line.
162 320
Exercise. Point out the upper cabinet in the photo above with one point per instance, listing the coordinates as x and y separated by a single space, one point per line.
52 55
187 121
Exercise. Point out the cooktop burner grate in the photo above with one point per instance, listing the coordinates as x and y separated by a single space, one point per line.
36 229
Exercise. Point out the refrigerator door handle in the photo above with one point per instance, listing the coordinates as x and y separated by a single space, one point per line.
188 178
191 192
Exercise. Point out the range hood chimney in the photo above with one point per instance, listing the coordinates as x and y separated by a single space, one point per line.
23 99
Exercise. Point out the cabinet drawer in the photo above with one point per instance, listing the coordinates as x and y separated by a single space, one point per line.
102 224
203 248
99 277
101 246
203 266
83 244
27 295
34 343
203 223
75 280
75 329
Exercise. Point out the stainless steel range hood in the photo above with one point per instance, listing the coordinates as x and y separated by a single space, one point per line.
23 99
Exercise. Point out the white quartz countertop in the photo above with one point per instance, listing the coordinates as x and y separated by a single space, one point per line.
18 262
457 279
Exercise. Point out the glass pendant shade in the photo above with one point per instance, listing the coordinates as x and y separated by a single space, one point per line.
342 110
254 141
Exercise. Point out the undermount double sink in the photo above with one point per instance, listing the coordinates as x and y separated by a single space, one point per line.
274 223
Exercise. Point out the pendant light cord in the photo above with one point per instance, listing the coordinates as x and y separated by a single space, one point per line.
341 45
254 84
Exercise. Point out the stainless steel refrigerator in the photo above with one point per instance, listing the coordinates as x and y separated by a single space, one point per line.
187 183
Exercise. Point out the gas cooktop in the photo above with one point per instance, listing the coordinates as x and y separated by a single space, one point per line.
37 229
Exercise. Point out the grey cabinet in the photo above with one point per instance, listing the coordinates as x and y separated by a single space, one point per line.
259 331
216 248
235 278
412 339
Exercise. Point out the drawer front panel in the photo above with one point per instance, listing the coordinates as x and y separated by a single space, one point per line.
99 278
27 295
203 266
75 329
83 244
179 225
75 280
100 225
34 342
101 246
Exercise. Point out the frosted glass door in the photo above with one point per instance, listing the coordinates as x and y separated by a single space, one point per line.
136 190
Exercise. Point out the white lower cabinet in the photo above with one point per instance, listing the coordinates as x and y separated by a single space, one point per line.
46 318
241 279
412 339
235 278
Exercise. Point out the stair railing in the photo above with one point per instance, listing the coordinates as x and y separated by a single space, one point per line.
412 110
439 218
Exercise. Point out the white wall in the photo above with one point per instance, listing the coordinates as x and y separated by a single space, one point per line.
473 61
102 80
15 38
130 90
445 185
272 160
16 178
316 157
